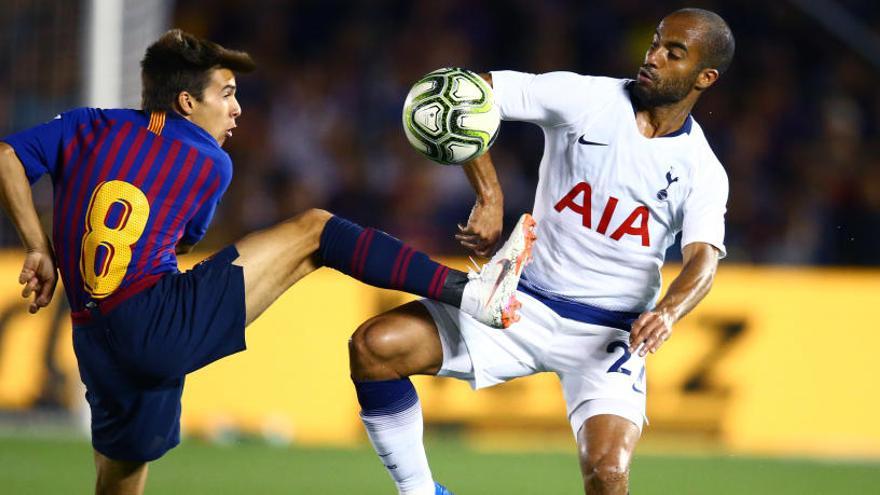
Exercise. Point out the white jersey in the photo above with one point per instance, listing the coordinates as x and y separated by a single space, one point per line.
610 201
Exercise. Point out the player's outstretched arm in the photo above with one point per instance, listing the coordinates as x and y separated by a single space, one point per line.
38 274
654 327
486 220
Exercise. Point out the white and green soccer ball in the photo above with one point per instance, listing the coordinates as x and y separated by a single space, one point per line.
450 116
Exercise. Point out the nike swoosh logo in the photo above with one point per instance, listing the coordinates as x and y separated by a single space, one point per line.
505 267
590 143
385 455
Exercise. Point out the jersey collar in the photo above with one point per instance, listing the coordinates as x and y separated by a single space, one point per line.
685 127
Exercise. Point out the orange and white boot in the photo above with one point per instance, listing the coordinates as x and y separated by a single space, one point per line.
490 294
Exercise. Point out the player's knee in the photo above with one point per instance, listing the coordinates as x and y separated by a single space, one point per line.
607 470
314 217
374 343
371 340
112 474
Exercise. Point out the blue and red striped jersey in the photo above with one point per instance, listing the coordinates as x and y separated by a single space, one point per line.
128 186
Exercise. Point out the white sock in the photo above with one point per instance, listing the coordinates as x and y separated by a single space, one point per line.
397 438
470 298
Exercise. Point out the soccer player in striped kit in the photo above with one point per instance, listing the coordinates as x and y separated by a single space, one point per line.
625 169
134 188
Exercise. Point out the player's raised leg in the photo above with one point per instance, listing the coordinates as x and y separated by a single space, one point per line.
605 445
275 258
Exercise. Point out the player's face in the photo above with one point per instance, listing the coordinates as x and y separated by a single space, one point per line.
672 62
218 109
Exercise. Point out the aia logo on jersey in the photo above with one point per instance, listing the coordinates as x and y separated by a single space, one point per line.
580 201
662 194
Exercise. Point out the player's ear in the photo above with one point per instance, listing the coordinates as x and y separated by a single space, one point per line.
706 78
185 103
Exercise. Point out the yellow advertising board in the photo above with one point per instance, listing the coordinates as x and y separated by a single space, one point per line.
775 360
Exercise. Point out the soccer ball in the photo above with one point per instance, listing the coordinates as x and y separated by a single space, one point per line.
450 116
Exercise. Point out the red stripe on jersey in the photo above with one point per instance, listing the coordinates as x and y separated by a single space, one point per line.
163 211
190 205
159 181
132 153
71 146
77 217
63 194
147 163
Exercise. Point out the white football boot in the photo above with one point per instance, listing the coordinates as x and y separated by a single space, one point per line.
490 294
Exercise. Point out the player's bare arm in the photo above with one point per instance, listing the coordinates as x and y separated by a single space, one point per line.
654 327
486 220
38 273
487 216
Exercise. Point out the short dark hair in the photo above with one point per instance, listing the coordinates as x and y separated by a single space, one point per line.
179 61
719 44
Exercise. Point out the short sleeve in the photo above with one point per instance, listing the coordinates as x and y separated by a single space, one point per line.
198 225
550 99
705 207
40 148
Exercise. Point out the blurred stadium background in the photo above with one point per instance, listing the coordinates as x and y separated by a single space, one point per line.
769 387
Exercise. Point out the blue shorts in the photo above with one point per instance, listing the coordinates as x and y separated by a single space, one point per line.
133 359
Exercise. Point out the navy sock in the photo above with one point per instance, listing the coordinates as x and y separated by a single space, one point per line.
378 259
381 398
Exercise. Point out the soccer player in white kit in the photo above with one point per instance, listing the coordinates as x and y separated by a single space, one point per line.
625 169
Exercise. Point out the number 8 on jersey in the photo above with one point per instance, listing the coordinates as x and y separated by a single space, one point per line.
106 249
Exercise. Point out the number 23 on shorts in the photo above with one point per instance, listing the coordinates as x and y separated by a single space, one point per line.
107 250
618 366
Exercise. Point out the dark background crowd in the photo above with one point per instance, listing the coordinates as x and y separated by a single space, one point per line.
794 121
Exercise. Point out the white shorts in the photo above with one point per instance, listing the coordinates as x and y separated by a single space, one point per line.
598 374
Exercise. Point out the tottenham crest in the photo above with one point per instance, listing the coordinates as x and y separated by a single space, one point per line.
662 194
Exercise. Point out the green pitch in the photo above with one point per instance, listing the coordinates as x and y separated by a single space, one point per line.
38 466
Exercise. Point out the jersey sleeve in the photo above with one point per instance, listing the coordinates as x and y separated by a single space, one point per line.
198 225
40 148
704 209
548 100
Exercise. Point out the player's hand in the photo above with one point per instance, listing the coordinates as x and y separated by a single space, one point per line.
483 228
39 276
650 331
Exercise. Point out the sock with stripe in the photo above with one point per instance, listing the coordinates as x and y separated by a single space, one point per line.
378 259
392 416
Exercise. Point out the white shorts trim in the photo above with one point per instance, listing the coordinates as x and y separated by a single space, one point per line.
595 407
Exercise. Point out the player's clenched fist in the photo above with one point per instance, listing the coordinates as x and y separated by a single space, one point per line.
650 331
